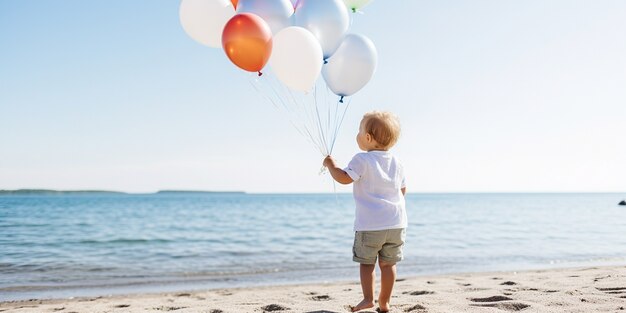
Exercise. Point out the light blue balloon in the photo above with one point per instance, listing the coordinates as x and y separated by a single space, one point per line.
328 20
352 66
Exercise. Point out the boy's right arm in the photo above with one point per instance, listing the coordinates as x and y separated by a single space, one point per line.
338 174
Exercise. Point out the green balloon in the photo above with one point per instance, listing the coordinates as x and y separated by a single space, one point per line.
356 5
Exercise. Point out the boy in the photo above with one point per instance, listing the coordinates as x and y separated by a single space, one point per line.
380 220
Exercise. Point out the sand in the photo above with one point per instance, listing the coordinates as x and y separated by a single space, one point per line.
590 289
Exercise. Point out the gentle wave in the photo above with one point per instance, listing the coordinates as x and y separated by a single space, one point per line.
122 241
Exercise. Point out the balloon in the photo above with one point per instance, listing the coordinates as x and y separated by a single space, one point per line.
234 2
277 13
204 20
247 41
328 20
296 58
356 5
351 66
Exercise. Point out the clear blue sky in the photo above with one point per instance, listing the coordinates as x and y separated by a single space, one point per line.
492 95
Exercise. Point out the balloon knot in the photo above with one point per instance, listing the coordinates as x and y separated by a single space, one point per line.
325 61
353 10
260 73
341 99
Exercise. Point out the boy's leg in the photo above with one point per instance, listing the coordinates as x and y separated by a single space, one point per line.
390 254
368 277
387 280
367 245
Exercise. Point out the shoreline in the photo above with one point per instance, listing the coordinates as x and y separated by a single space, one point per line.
577 289
206 282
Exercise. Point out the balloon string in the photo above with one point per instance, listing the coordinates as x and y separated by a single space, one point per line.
316 115
319 124
338 126
272 90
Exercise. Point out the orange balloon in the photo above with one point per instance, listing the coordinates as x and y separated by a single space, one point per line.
234 3
247 41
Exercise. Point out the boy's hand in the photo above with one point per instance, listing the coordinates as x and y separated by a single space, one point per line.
338 174
329 162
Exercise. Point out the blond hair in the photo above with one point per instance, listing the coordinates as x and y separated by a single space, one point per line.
384 127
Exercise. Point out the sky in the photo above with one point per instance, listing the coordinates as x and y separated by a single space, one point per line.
493 96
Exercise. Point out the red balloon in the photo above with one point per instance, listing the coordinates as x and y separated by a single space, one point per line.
247 41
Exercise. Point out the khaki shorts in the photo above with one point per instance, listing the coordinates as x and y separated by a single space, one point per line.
386 244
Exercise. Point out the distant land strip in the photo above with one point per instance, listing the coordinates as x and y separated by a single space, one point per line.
63 192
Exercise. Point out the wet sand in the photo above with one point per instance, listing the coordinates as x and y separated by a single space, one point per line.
588 289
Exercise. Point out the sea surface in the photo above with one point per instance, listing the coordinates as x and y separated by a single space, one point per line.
59 246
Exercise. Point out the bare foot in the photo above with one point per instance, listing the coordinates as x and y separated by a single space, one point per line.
365 304
382 308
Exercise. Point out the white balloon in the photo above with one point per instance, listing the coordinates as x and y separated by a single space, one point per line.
204 20
277 13
328 20
351 67
296 58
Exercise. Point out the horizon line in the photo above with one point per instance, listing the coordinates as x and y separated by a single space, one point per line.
164 191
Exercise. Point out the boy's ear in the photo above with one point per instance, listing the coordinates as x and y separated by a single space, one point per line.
368 137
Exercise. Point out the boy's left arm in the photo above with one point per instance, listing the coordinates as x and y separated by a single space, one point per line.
403 189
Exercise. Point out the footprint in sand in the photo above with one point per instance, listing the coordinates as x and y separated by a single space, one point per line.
274 307
122 305
614 290
491 299
603 277
507 306
321 298
169 308
508 283
620 291
418 293
216 311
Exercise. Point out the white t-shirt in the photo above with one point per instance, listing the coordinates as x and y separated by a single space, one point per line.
378 177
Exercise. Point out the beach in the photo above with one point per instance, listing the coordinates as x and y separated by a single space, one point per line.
582 289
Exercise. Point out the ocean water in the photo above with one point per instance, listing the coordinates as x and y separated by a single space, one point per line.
98 244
